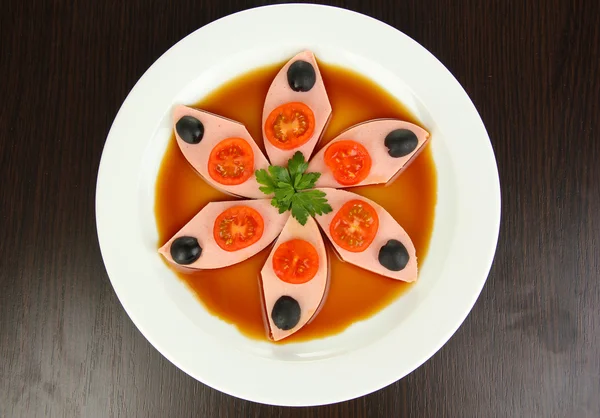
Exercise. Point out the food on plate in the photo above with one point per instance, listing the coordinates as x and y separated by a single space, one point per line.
348 161
365 234
354 225
220 149
238 227
369 153
290 187
294 278
296 110
224 233
223 251
231 161
295 261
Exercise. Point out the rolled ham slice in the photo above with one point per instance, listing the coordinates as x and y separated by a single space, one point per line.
316 99
371 135
216 129
309 295
213 256
388 229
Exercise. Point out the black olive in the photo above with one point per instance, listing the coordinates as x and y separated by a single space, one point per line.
185 250
393 255
286 313
301 76
190 129
401 142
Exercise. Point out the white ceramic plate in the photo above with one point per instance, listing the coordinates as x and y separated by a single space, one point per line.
370 354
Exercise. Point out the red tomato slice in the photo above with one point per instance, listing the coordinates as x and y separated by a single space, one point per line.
296 261
231 161
354 226
349 161
238 227
290 125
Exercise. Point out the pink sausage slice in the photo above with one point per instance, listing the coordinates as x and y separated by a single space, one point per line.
316 99
213 256
372 135
216 129
308 295
388 229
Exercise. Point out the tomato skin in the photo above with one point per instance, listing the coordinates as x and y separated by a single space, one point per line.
296 261
290 125
238 227
231 161
354 226
349 161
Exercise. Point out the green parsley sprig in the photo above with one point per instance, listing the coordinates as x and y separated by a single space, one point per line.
291 185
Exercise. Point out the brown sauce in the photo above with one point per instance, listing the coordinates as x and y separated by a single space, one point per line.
233 293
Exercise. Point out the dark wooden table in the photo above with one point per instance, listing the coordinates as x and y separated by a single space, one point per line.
530 347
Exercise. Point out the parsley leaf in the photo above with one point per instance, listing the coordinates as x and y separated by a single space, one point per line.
284 192
313 202
290 187
297 166
307 181
282 206
262 177
280 174
300 213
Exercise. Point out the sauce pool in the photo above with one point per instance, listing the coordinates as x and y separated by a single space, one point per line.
233 293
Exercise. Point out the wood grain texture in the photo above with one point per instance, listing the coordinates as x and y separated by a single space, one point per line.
530 347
